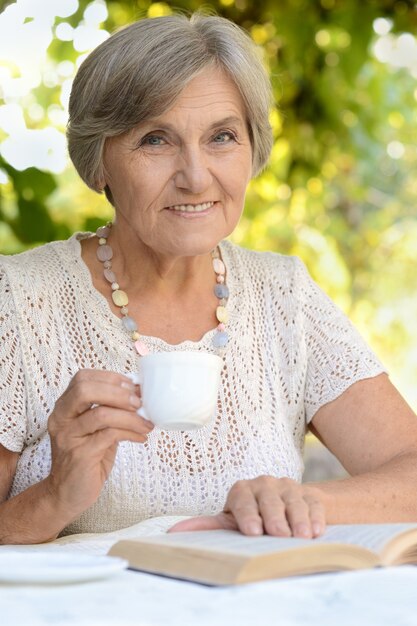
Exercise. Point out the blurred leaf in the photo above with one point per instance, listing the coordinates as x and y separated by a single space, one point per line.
32 182
92 223
34 223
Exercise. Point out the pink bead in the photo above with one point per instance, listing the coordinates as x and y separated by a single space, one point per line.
104 253
218 266
220 279
141 348
107 265
110 276
221 327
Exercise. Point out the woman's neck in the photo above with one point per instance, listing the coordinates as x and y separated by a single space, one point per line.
142 268
169 298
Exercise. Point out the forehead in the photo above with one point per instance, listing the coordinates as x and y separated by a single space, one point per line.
209 95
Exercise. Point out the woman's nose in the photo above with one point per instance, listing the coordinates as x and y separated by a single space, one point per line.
193 173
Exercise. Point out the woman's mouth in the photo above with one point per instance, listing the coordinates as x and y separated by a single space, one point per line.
191 208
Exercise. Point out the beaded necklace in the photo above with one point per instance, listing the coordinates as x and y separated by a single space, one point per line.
121 300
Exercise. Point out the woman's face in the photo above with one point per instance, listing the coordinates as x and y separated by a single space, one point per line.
178 181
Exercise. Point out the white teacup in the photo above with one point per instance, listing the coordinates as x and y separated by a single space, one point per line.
179 389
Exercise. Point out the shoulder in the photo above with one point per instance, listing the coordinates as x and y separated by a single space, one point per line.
270 268
39 265
266 261
41 254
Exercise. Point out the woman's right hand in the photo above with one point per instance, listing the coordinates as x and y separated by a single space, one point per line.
97 410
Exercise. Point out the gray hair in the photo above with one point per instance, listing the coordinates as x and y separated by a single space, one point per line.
138 73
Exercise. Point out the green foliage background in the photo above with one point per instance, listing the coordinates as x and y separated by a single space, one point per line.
331 194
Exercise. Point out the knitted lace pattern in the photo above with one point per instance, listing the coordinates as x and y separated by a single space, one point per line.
291 350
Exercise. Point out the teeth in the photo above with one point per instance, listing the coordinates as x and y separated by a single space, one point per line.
192 208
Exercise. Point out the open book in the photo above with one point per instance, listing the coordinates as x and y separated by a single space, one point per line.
223 557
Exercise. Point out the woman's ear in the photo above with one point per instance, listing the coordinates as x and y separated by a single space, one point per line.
101 183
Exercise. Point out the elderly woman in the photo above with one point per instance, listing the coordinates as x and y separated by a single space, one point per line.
170 118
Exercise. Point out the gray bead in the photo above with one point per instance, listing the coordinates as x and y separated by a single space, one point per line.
221 291
103 231
220 339
129 324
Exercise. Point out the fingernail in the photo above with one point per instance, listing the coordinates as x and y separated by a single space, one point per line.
134 401
282 530
127 385
302 530
317 529
147 425
254 529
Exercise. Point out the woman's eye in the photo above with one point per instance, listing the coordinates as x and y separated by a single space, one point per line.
152 140
225 136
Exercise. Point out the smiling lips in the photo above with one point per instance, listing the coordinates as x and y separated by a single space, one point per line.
191 208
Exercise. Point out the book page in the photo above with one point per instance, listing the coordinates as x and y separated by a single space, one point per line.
370 536
229 541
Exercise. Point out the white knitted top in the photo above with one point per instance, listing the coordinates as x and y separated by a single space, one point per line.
291 350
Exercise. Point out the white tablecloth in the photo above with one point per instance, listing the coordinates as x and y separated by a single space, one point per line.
384 597
378 597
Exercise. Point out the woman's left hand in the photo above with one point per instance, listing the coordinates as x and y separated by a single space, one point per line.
275 506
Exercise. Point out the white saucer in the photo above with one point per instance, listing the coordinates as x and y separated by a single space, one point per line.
52 568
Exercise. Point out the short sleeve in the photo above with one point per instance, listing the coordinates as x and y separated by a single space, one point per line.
12 397
337 355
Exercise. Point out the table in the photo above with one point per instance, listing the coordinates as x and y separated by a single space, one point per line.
377 597
382 597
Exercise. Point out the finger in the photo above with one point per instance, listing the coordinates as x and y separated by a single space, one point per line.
273 512
83 394
102 376
222 521
103 440
242 504
317 515
103 417
99 420
297 513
